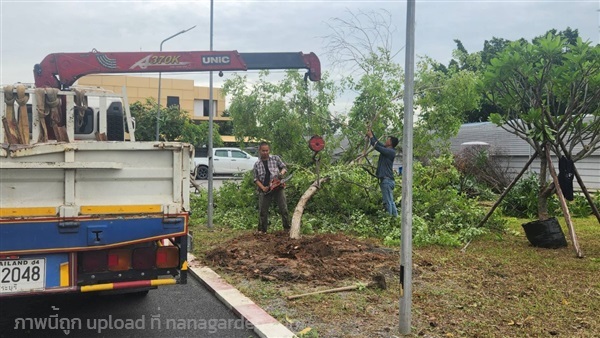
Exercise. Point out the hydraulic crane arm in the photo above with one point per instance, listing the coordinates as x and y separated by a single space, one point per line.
61 70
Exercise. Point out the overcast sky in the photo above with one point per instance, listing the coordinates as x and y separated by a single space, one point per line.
32 29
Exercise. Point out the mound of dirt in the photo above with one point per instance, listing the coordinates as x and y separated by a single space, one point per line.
319 259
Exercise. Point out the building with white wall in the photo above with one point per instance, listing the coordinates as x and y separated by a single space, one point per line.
515 152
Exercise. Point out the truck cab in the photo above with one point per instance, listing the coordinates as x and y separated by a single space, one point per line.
100 103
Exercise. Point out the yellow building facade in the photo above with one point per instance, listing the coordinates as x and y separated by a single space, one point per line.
191 98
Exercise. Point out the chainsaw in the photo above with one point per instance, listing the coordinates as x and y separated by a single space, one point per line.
278 183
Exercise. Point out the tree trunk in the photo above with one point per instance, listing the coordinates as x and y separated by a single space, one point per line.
297 217
542 195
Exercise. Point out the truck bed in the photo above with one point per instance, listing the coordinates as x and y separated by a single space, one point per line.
89 181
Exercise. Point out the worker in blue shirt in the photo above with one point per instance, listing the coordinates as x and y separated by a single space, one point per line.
385 171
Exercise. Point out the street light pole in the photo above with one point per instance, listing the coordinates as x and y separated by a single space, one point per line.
210 131
160 78
405 303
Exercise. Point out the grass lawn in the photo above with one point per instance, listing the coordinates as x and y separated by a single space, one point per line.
500 286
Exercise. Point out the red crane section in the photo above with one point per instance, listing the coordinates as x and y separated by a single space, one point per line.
61 70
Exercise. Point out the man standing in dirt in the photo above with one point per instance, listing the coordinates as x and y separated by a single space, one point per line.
267 169
385 171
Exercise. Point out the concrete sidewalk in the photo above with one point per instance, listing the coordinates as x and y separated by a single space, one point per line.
264 324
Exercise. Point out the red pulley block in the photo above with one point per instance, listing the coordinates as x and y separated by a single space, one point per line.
316 143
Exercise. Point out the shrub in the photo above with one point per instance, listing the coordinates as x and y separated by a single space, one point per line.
351 202
580 207
438 201
484 167
522 199
198 206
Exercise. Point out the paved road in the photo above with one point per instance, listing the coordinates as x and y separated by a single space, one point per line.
171 311
217 181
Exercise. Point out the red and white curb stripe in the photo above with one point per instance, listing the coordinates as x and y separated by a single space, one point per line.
264 324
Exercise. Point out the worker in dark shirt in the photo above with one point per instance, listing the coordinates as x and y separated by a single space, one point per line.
267 168
385 171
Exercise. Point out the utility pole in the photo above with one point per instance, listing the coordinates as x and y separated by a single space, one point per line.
407 174
209 214
598 22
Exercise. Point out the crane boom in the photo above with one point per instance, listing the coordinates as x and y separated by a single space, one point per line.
61 70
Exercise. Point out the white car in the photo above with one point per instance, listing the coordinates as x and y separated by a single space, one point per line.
226 161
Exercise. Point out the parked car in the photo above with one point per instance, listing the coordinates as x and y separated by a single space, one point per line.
226 161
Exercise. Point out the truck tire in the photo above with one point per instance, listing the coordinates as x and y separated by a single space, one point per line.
202 172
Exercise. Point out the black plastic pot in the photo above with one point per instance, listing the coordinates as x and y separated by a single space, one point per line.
545 234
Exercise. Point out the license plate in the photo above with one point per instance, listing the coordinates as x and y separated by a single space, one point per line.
22 275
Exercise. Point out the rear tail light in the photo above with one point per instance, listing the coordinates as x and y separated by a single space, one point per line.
167 257
94 261
119 260
143 258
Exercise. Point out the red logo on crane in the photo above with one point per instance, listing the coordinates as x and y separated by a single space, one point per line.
155 61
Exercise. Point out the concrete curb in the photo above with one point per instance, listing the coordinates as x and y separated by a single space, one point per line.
264 324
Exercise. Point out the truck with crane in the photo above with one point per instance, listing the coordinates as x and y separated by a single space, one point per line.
84 207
